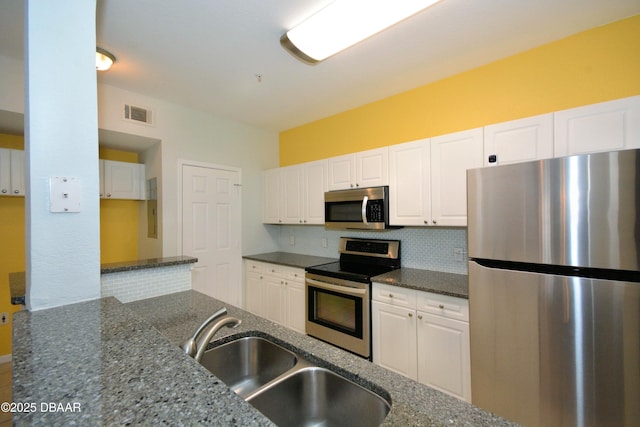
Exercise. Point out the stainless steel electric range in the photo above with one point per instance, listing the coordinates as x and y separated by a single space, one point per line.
339 294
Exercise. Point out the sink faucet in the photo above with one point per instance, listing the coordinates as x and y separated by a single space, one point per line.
196 349
229 322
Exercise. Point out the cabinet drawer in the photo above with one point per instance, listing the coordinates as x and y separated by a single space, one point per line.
444 305
256 266
294 274
394 295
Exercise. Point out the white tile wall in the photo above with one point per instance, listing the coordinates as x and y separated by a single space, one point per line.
134 285
426 248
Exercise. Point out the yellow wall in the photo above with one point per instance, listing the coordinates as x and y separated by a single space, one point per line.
118 219
593 66
118 233
12 257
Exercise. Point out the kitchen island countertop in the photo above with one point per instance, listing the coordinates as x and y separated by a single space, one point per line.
121 363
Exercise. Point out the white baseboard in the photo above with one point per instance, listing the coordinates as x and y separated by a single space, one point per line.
5 358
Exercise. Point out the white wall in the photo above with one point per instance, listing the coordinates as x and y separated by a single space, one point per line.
61 139
188 134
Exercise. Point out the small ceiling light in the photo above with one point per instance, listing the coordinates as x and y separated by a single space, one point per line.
343 23
104 59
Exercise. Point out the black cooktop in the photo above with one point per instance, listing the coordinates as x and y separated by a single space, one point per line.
356 272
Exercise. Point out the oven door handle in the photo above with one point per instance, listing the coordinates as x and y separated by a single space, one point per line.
365 200
342 289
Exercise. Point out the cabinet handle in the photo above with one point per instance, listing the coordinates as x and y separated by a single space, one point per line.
441 306
108 194
435 222
390 295
4 190
16 191
420 316
426 222
410 314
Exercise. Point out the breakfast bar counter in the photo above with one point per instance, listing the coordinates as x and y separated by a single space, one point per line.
121 364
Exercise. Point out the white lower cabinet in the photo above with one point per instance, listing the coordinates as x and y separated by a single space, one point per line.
423 336
276 292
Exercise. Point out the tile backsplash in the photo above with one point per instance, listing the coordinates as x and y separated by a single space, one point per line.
440 249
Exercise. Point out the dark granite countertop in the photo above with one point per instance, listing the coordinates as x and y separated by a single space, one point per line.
455 285
291 259
122 364
141 264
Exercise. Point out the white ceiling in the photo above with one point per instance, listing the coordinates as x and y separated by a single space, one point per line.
205 54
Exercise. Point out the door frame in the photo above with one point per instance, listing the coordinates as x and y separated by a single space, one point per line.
181 164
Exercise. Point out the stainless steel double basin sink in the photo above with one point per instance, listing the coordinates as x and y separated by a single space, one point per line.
290 390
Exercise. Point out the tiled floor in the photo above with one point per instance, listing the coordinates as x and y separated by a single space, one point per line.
5 392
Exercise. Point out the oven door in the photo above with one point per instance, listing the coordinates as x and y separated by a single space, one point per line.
338 311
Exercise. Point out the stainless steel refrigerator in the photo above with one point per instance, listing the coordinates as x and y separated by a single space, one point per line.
554 292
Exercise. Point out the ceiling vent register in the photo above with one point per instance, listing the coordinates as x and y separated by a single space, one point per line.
138 115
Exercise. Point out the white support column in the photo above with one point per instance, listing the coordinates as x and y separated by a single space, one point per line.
61 139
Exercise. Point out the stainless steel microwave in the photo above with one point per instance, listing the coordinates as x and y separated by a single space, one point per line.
359 208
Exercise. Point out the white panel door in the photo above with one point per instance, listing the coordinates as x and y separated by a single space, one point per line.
342 172
315 185
410 183
393 338
5 172
211 230
444 357
372 167
518 141
451 156
291 196
607 126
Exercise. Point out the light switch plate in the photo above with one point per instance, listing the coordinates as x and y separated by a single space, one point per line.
65 194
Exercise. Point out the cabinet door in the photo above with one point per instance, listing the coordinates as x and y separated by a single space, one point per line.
291 197
122 180
410 183
444 356
342 172
394 338
372 167
17 173
254 285
315 185
295 303
451 156
271 193
5 172
607 126
273 295
519 140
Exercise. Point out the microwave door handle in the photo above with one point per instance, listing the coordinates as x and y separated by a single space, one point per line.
365 200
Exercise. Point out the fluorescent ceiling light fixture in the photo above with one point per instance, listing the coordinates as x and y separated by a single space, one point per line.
343 23
104 59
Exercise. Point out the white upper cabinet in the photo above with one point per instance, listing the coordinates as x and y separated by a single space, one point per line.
292 194
295 194
11 172
519 140
123 180
271 192
607 126
363 169
410 183
315 185
428 179
451 156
